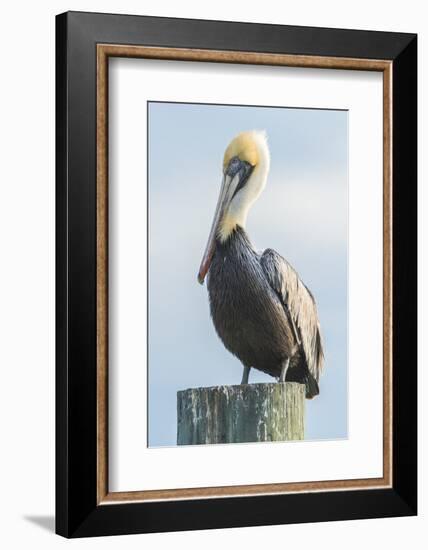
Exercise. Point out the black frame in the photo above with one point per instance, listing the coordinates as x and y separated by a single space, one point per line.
77 513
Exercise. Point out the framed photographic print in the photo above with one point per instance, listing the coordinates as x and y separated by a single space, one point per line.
236 274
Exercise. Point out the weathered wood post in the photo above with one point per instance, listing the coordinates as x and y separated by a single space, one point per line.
238 414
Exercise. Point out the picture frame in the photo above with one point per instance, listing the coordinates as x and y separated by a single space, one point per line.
84 44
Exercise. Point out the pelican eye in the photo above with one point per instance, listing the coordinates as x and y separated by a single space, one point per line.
241 168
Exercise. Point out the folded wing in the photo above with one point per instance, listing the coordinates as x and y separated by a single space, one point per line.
300 306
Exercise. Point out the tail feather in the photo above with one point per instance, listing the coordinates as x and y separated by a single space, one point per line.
312 388
299 372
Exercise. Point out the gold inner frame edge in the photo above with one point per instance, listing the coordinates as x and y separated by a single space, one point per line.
104 51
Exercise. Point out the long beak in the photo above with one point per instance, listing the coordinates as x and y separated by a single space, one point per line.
222 203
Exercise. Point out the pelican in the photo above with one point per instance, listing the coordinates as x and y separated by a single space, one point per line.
261 310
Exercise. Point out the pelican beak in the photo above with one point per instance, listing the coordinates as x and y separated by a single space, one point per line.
226 194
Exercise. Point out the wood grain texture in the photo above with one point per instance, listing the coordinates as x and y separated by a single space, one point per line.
241 414
102 276
243 58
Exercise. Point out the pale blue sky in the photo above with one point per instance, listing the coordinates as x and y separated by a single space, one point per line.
302 214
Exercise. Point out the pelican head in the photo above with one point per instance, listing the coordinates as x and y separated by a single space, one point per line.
245 169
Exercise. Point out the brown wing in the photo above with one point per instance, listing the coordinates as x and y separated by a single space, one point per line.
300 304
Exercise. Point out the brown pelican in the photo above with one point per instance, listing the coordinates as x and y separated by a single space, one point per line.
262 311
